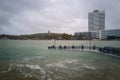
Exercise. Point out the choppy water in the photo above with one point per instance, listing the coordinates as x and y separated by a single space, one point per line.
31 60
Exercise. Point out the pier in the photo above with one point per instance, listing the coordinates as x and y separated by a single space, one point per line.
106 49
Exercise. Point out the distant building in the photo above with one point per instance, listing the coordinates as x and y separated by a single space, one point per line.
110 34
96 21
85 35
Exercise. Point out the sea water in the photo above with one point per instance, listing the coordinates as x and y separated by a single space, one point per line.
31 60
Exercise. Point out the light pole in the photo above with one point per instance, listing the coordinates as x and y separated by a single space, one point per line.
90 33
54 40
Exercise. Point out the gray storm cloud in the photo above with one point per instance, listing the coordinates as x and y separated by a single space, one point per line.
69 16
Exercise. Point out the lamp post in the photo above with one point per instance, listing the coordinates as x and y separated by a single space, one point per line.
90 39
54 40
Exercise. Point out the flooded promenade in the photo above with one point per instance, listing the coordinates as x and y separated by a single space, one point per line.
32 60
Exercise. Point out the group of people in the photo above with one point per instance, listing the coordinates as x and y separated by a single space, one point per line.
110 50
67 47
105 49
71 47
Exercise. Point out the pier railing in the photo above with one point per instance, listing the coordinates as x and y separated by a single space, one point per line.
106 49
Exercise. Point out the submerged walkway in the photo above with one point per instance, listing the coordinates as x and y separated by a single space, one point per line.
106 49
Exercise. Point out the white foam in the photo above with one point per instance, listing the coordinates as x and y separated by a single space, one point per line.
9 69
63 64
49 79
60 65
6 70
20 65
38 68
71 61
89 67
28 75
29 66
33 66
68 62
50 65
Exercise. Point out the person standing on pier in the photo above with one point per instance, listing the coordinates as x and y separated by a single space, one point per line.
82 47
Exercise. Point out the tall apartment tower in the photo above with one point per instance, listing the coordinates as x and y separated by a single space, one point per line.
96 21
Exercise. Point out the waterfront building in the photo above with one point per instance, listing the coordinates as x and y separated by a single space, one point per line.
96 21
85 35
110 34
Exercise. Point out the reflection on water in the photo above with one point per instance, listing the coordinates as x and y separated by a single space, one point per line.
31 60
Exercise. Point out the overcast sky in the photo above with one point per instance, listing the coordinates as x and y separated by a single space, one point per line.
64 16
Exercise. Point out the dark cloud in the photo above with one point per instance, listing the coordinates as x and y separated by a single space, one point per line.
31 16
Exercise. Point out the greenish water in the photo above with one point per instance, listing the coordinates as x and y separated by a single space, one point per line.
31 60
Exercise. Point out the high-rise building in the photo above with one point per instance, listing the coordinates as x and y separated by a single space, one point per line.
96 21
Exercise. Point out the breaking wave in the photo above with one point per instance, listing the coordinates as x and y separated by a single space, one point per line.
62 64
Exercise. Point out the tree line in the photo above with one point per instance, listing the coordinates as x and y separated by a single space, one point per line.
39 36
